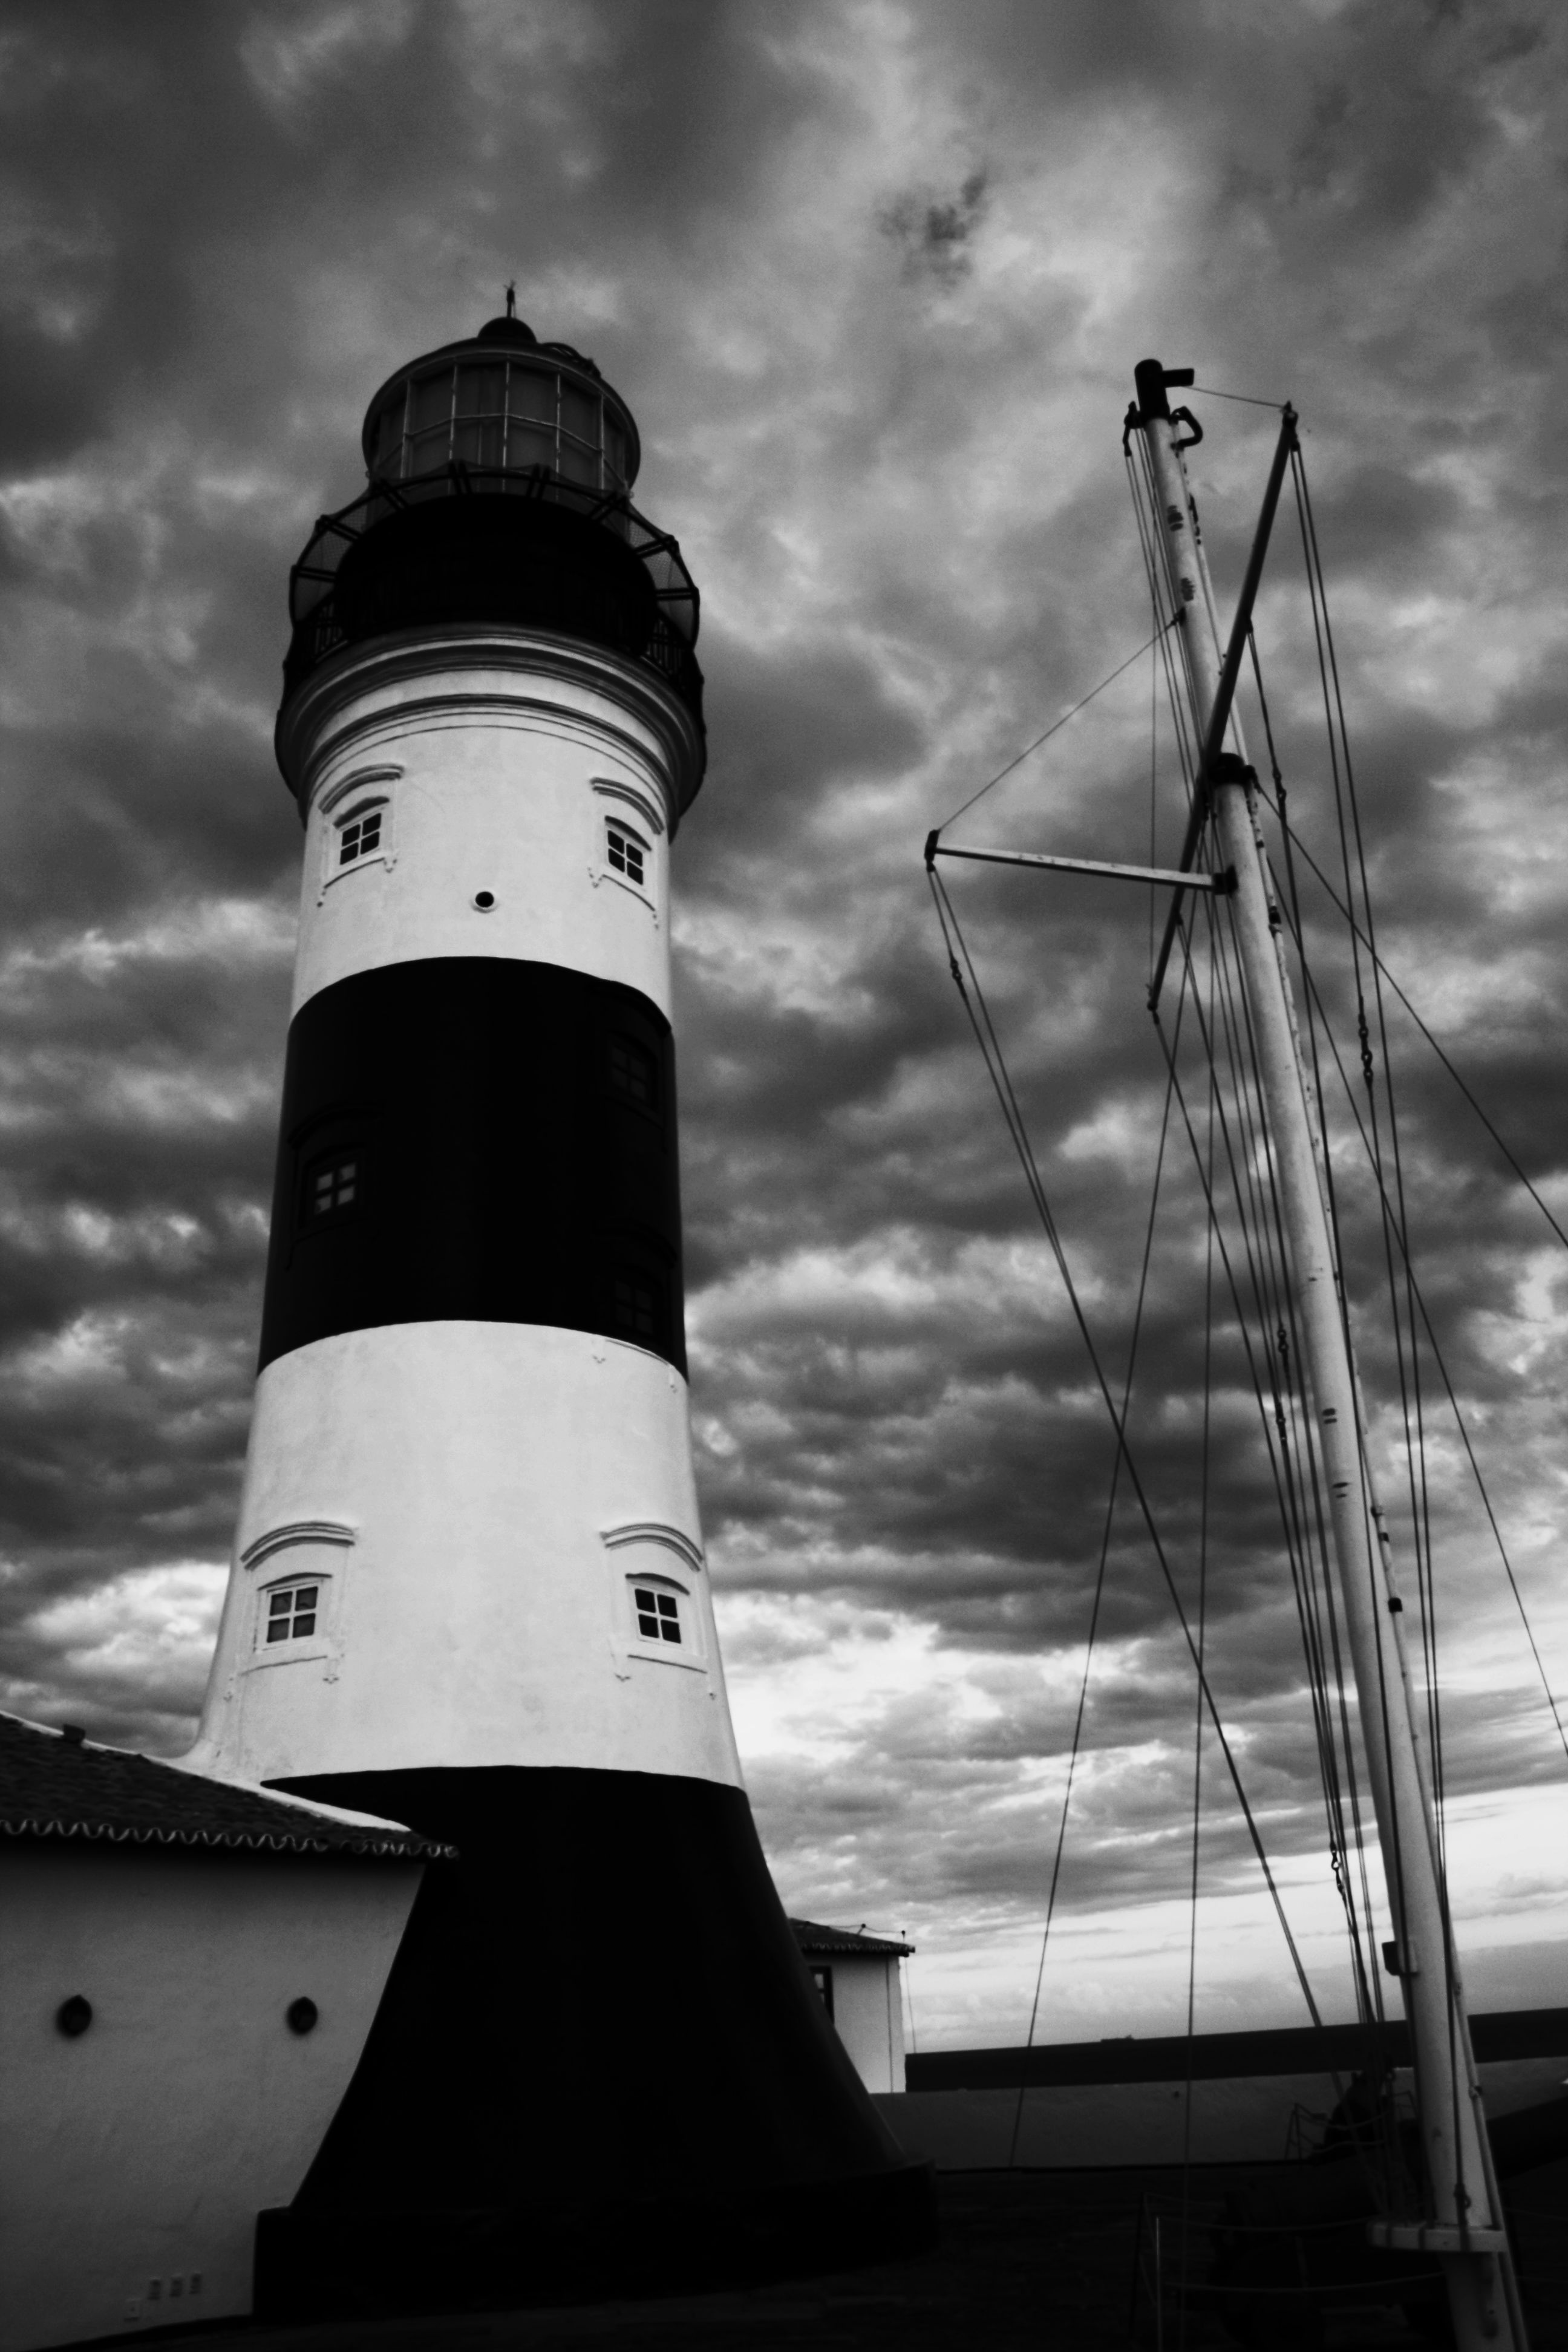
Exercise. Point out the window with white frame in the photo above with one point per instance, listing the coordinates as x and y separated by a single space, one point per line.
291 1612
361 837
627 853
656 1602
657 1610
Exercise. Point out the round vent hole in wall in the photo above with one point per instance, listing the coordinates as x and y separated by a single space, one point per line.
74 2016
303 2015
484 900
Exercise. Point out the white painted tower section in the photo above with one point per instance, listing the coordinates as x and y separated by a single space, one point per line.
476 1503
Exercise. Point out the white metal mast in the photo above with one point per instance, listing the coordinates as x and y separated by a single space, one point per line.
1463 2223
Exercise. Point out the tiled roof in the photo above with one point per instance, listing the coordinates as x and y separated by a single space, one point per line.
847 1941
58 1784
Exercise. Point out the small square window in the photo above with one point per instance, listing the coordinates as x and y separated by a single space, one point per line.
291 1614
636 1304
360 837
633 1072
658 1613
333 1184
626 854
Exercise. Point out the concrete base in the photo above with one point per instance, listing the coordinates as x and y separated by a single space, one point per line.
395 2265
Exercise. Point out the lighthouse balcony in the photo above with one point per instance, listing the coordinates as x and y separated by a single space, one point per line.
496 546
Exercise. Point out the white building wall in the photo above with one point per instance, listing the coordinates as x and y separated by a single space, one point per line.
869 2013
143 2149
477 1499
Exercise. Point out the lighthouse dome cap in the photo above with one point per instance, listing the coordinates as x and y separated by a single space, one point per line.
508 328
502 399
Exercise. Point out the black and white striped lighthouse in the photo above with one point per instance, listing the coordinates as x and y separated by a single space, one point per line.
469 1590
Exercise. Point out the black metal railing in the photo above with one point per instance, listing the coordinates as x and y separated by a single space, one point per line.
324 622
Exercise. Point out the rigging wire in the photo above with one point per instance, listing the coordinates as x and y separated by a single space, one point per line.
980 1021
1199 1701
1386 1645
1298 847
1373 1993
1459 1423
1248 399
1310 1580
1328 1772
1294 846
1055 728
1409 1315
1093 1621
1402 1318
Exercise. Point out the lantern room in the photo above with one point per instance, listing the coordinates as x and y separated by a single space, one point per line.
498 469
503 399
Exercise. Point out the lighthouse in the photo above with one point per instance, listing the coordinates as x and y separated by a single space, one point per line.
469 1592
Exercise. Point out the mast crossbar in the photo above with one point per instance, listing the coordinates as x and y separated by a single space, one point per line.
1222 883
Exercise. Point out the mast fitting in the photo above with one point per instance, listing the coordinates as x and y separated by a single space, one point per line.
1152 379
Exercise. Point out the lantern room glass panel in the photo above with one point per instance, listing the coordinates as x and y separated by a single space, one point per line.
531 394
387 458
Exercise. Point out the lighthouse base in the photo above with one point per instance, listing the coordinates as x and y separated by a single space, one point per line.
599 2068
392 2264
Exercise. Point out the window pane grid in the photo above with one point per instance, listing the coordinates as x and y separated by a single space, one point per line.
635 1300
335 1184
291 1614
658 1613
359 837
626 853
632 1073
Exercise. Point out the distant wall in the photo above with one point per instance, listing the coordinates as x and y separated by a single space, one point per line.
1496 2035
869 2011
1246 2119
142 2150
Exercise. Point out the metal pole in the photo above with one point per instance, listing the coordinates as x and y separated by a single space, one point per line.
1465 2225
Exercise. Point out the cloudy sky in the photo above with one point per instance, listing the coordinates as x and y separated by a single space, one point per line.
873 279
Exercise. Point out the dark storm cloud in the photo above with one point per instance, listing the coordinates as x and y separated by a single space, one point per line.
934 232
873 283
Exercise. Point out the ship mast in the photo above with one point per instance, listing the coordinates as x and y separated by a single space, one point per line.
1463 2220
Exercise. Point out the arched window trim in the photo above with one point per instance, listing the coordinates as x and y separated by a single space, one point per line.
677 1573
644 805
631 815
272 1551
656 1531
380 853
343 803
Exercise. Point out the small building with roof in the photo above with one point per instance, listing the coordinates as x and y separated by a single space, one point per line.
188 1971
862 1990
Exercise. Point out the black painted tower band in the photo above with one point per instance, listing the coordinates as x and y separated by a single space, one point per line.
599 2066
468 1137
